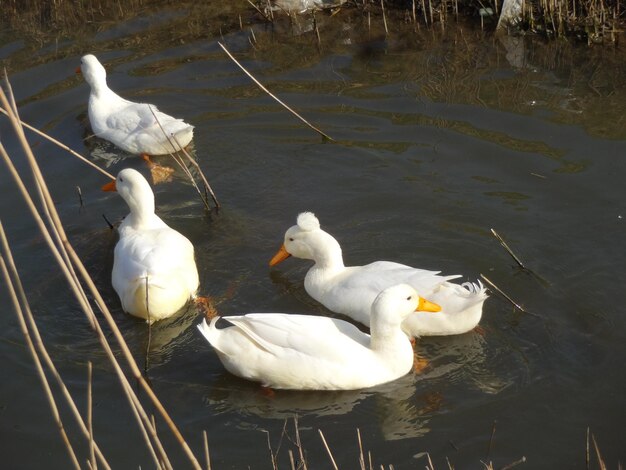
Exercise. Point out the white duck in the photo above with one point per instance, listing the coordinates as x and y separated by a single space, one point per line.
351 290
304 352
130 126
154 271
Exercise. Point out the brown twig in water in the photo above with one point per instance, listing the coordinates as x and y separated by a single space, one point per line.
600 459
501 292
179 148
207 186
514 464
330 454
262 87
509 251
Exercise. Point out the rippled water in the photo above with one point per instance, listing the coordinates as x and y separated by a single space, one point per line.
439 137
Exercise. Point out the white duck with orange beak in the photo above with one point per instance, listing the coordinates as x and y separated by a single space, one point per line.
137 128
154 270
350 290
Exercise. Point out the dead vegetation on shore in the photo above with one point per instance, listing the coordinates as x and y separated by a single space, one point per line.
590 21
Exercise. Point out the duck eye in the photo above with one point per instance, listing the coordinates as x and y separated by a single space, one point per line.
121 179
409 297
291 239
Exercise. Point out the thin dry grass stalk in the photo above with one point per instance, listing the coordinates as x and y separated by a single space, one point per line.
92 456
61 255
508 250
36 337
179 148
330 454
64 251
207 456
262 87
299 444
60 144
40 372
507 297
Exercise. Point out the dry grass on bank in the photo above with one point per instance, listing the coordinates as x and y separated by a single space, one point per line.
593 21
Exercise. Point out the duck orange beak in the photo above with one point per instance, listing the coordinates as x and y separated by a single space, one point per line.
281 255
78 71
110 186
427 306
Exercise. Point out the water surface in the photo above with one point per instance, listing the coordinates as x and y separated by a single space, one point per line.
440 136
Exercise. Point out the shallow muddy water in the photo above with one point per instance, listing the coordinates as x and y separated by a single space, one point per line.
439 137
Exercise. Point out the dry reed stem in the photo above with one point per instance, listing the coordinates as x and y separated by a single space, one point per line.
501 292
361 456
179 148
508 250
42 349
262 87
299 444
207 457
92 456
267 18
269 446
61 255
77 288
514 464
382 6
36 360
207 186
293 463
330 454
601 463
62 145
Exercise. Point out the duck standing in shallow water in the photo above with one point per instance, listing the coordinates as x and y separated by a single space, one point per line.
351 290
130 126
154 270
305 352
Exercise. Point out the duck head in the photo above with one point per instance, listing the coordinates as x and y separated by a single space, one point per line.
93 71
307 240
396 303
135 190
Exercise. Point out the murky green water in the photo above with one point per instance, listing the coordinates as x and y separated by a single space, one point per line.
439 137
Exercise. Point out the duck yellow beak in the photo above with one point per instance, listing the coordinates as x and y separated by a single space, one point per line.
281 255
427 306
110 186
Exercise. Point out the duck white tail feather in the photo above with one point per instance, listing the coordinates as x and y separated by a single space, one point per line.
475 288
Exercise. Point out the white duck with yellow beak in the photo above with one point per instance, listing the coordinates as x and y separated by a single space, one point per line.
305 352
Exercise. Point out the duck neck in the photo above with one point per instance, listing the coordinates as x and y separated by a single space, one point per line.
99 87
387 336
141 210
327 254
